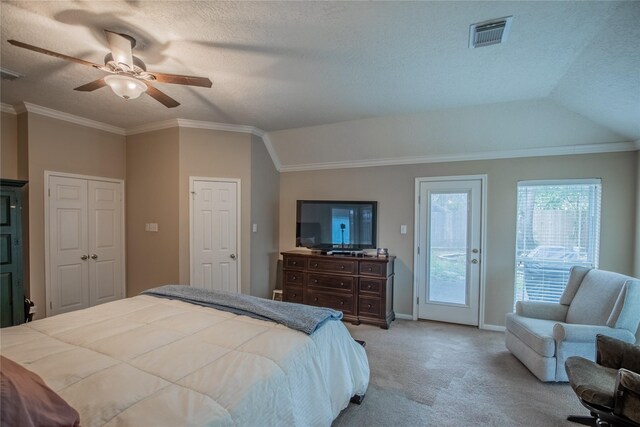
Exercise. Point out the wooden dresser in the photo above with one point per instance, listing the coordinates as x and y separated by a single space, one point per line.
360 287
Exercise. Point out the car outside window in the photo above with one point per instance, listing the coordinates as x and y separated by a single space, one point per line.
558 226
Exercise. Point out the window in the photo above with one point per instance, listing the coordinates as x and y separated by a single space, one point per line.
558 226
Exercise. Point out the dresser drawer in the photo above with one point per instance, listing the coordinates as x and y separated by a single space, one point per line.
333 266
371 287
294 263
294 277
373 268
337 301
370 307
333 283
292 294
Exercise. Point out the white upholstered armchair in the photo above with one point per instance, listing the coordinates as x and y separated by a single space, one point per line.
542 335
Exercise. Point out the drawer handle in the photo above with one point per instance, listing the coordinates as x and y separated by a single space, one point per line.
368 305
370 269
293 277
294 294
341 302
342 284
315 299
293 262
341 267
315 265
315 280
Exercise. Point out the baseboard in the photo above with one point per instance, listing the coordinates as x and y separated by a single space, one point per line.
497 328
401 316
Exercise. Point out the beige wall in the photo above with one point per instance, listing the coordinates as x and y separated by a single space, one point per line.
152 196
215 154
9 146
393 187
55 145
265 194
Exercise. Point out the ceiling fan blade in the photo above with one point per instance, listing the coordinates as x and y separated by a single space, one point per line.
181 80
89 87
52 53
161 97
120 48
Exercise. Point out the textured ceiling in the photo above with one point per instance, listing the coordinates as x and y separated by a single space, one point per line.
284 65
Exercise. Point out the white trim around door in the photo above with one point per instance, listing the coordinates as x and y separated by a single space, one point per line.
483 226
47 255
238 249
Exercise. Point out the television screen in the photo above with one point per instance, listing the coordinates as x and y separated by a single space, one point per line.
328 225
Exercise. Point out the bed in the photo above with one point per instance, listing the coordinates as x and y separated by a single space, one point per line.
155 361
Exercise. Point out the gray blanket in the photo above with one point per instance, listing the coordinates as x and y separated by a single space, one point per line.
303 318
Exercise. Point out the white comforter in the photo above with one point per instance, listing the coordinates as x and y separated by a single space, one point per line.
146 361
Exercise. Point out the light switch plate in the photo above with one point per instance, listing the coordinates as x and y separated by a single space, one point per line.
403 229
255 228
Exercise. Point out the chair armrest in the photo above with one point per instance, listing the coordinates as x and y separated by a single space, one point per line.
627 397
542 310
609 351
587 333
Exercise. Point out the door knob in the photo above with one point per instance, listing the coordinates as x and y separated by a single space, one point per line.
84 257
94 256
475 251
474 261
232 256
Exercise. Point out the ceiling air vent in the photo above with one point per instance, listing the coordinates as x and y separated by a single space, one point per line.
8 74
489 32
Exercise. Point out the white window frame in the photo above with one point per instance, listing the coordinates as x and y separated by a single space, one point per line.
546 273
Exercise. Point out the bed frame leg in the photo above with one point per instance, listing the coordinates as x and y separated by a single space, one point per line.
357 399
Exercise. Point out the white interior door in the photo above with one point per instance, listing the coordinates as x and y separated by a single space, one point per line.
105 241
215 259
68 245
84 241
449 233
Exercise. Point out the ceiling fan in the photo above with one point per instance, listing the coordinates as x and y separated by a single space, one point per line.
128 77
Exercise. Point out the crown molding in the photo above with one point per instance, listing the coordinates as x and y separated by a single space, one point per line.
272 151
489 155
193 124
197 124
150 127
71 118
7 108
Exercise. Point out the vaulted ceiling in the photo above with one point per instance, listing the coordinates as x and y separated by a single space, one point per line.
287 65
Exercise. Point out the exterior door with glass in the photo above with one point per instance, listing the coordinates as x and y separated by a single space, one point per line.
448 249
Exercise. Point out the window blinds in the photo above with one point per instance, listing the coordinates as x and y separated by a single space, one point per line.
558 226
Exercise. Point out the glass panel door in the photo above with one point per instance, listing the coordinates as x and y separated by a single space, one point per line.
448 272
447 264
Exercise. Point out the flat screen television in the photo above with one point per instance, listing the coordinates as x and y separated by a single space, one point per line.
336 225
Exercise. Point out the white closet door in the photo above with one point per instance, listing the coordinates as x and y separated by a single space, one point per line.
214 216
105 245
68 245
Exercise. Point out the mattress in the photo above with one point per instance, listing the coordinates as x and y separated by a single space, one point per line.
152 361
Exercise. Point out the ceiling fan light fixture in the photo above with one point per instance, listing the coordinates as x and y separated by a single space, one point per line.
125 87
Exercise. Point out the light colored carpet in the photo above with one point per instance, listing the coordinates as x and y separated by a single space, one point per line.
430 373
